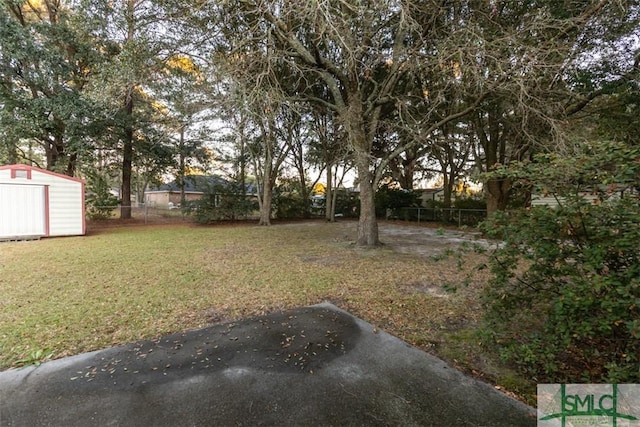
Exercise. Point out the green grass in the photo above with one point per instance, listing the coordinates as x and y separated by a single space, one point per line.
65 296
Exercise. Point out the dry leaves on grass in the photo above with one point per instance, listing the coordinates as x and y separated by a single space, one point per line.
127 284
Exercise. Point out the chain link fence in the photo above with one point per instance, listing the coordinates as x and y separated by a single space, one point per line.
468 217
143 214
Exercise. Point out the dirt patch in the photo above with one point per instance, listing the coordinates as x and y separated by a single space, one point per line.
426 241
429 289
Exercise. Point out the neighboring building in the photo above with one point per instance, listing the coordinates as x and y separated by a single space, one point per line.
38 203
553 201
430 195
544 200
195 186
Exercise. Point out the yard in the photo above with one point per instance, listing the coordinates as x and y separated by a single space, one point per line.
65 296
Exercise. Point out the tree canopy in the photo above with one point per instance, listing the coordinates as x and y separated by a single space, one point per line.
408 87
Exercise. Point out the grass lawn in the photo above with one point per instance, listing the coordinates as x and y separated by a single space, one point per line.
64 296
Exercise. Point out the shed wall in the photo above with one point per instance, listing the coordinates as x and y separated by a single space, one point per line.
64 201
22 211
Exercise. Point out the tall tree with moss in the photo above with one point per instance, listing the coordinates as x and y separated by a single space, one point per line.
422 64
359 53
557 48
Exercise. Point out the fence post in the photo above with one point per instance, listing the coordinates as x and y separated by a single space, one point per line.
459 218
418 215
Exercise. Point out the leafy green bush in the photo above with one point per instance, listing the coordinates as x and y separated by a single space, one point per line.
221 204
394 198
469 203
291 206
564 301
434 204
99 202
347 204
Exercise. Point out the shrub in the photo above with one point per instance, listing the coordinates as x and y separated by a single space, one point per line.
221 204
434 204
564 300
470 203
291 206
99 202
393 198
347 204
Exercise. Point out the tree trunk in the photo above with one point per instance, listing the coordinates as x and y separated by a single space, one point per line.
328 196
305 195
497 195
305 192
127 158
337 183
71 165
407 178
368 223
403 170
54 150
181 169
360 131
12 151
265 206
127 149
266 197
242 165
447 188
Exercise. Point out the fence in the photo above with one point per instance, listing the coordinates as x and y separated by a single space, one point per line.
149 214
470 217
146 214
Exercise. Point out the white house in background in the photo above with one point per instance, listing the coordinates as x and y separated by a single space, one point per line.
38 203
591 196
430 195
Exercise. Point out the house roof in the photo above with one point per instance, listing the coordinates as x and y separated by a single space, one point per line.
193 184
201 184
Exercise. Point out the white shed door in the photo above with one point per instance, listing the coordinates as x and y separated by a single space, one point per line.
22 210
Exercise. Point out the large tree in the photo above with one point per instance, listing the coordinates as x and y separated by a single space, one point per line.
422 65
263 124
363 54
182 92
547 46
138 43
328 151
46 59
276 125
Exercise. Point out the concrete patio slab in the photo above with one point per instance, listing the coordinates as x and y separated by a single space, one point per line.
310 366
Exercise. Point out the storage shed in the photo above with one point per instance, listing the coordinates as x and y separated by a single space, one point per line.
38 203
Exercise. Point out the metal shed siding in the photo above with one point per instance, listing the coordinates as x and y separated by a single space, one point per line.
66 209
22 211
64 198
